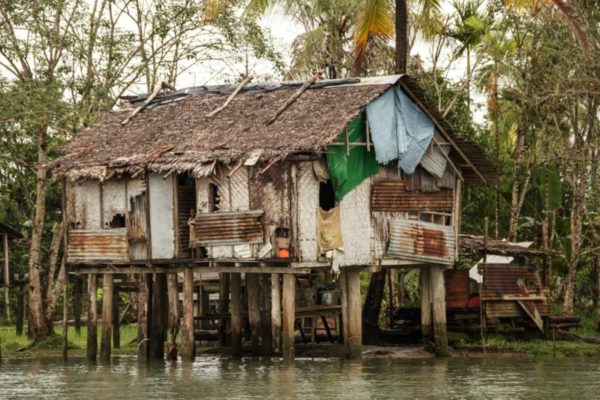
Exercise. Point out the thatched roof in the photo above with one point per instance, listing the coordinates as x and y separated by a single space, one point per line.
174 133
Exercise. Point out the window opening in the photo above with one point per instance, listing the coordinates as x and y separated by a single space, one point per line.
326 195
214 198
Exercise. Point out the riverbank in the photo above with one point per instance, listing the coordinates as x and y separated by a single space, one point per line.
14 347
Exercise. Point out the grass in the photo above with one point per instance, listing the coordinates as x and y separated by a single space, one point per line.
10 343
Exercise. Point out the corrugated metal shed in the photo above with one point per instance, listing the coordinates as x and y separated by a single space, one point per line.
422 241
391 195
500 282
86 246
226 228
457 288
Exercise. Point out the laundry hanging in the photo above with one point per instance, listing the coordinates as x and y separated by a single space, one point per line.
399 129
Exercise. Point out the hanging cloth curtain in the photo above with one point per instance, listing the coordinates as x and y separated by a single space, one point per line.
399 129
347 171
329 231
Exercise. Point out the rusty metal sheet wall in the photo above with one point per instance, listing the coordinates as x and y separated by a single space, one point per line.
98 245
434 160
308 202
500 280
422 241
457 288
391 195
229 228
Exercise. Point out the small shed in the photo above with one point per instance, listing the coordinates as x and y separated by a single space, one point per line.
279 178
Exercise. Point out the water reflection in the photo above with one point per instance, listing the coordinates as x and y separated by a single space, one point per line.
214 377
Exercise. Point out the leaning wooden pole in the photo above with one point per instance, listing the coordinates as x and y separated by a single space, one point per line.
107 317
289 316
188 351
92 318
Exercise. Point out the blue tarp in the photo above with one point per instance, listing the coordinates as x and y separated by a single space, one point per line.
399 129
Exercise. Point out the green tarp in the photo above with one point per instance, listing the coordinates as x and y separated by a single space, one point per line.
348 171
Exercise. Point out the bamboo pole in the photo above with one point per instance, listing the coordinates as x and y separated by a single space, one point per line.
293 98
238 89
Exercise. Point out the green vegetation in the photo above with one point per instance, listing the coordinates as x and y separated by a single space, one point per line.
12 345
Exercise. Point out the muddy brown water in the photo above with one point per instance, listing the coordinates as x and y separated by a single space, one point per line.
223 378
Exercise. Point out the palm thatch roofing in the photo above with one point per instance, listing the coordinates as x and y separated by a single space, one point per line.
175 134
477 244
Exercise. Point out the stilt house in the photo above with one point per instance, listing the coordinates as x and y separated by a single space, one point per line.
271 178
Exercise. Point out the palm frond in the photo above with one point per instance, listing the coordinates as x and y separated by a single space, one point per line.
373 21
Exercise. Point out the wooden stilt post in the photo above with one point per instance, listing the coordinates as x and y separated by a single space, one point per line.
144 309
107 316
173 316
289 316
116 329
276 313
92 318
188 338
425 302
438 294
343 286
77 288
354 328
204 301
266 335
160 315
252 286
20 307
236 314
65 321
224 308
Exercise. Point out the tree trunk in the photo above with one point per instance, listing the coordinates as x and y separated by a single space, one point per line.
372 308
401 37
576 241
37 322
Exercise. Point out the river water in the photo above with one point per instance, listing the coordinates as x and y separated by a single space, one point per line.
222 378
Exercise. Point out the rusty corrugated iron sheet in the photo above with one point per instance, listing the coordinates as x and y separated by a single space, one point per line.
457 288
225 228
86 246
391 195
434 160
422 241
500 284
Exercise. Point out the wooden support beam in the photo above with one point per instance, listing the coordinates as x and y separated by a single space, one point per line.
252 286
425 302
77 289
107 317
160 316
224 308
144 297
438 295
289 316
354 321
266 336
116 328
188 351
236 314
173 316
92 318
276 313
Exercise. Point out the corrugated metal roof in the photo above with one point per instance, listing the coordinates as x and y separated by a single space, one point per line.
225 228
391 195
85 246
422 241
